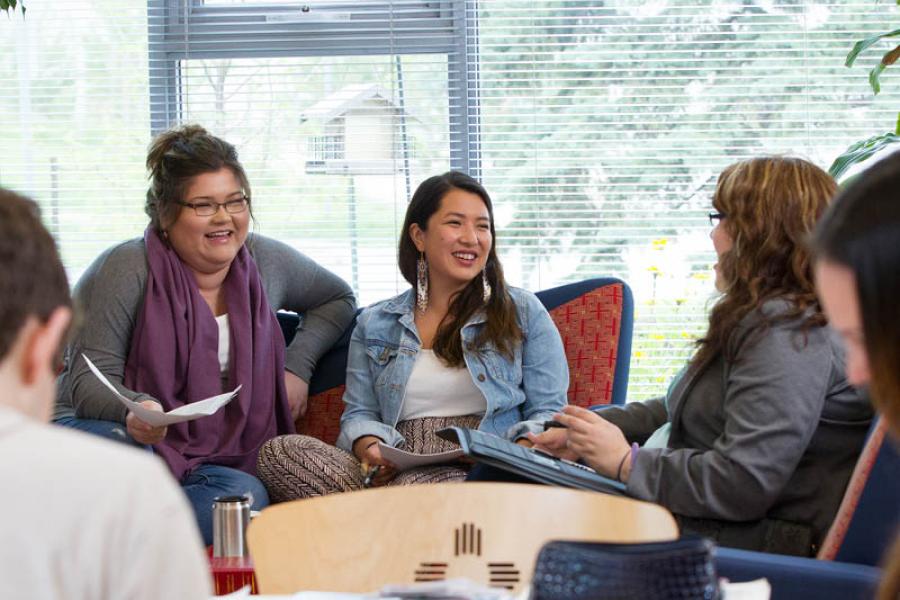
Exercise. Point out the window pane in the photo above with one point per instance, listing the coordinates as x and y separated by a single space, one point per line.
332 147
604 127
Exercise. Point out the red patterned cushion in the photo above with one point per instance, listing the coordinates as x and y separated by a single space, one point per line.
589 326
852 494
323 417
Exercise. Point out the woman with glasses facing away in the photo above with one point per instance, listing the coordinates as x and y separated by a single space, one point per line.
858 278
756 438
188 312
460 348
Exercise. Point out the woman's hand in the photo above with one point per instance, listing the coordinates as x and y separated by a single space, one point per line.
596 441
553 441
297 394
369 454
142 432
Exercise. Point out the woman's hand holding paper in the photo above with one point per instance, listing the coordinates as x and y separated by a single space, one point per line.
143 432
369 455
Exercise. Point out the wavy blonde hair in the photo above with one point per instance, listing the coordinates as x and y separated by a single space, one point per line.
771 204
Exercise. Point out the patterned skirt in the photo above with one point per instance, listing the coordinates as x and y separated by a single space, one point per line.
300 466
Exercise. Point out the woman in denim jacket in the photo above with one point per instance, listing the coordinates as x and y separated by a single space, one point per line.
461 348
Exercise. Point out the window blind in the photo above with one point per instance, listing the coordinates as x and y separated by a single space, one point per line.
598 128
603 127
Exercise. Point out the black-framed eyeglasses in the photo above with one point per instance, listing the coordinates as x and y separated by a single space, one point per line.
715 217
208 209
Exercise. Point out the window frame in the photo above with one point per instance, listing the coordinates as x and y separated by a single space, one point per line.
189 29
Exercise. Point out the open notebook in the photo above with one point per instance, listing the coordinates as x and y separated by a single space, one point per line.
526 462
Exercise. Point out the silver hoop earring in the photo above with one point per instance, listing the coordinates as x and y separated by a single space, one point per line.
421 283
485 286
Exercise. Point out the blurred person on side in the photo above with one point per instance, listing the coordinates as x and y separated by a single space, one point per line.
857 247
187 312
83 519
756 438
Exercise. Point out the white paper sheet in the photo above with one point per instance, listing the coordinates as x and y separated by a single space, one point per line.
188 412
407 460
758 589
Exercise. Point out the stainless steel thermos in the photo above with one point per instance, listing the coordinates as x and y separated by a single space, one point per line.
231 514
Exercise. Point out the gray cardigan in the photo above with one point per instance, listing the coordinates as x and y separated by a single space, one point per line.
110 293
761 448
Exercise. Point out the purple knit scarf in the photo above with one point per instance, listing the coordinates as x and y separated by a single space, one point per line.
174 358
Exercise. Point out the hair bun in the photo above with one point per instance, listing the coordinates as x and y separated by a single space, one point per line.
177 139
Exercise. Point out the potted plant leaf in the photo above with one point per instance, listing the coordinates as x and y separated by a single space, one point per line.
6 5
865 149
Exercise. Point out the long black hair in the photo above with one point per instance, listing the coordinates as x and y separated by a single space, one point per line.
502 328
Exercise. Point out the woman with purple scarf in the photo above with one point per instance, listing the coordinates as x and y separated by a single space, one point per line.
187 312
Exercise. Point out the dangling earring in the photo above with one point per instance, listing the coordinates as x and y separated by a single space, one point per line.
485 286
421 283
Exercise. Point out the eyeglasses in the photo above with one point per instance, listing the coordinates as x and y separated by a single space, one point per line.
715 217
208 209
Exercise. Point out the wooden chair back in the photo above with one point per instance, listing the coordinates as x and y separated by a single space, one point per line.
487 532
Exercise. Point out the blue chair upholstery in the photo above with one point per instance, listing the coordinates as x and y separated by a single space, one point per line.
869 516
792 577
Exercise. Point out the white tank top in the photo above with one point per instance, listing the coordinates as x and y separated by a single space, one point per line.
436 390
224 342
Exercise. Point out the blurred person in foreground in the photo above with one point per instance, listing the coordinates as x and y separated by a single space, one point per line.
82 517
756 438
857 246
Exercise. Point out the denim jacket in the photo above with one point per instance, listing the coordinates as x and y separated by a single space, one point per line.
520 393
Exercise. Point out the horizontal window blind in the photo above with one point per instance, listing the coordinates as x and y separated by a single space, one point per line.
598 129
603 127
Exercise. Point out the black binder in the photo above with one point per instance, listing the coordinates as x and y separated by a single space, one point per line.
528 462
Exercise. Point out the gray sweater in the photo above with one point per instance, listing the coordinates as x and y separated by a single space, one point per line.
109 297
761 448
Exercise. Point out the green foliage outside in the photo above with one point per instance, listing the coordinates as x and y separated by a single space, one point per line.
11 5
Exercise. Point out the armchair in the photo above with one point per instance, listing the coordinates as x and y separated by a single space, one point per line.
867 521
595 321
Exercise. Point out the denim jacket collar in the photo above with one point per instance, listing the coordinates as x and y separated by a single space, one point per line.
404 305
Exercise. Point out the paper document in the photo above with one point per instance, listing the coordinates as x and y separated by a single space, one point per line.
758 589
404 460
188 412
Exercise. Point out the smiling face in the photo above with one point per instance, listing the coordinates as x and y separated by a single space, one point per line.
836 286
207 245
457 240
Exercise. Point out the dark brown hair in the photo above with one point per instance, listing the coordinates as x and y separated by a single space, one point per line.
771 204
501 327
32 279
862 233
177 156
